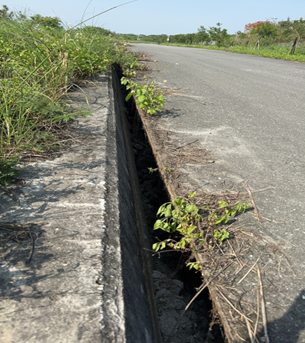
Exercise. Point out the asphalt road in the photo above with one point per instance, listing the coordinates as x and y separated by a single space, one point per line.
252 122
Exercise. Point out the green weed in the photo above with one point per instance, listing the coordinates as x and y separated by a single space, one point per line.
194 224
147 97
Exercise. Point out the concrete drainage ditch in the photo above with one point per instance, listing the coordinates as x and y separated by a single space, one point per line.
169 285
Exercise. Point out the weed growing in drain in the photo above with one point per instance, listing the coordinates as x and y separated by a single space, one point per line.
147 97
131 66
194 224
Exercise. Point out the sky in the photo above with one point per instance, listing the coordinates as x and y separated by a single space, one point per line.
163 16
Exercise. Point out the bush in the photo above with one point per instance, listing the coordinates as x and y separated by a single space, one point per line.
266 30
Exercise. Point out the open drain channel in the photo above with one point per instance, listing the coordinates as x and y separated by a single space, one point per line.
173 283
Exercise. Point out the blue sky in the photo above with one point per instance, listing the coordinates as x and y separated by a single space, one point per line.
164 16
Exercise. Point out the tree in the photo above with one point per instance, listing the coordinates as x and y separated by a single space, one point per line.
266 30
285 23
218 35
202 35
5 13
298 27
189 37
52 22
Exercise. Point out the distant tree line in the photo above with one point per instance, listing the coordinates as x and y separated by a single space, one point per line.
215 34
270 33
203 35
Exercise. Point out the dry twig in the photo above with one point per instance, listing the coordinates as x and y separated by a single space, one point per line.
263 306
250 331
247 272
234 308
203 286
257 318
182 146
253 203
272 221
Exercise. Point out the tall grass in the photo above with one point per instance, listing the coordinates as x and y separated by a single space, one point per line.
38 66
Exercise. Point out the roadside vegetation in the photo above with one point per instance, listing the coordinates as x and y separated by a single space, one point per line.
194 224
40 62
282 40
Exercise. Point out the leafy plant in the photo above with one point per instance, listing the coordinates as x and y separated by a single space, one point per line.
221 235
196 265
147 97
229 211
152 170
192 223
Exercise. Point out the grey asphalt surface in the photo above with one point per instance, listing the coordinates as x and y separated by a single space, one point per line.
252 122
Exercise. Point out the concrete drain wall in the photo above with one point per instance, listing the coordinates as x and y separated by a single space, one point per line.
141 324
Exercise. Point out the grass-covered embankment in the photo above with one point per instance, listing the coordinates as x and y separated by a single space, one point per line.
39 63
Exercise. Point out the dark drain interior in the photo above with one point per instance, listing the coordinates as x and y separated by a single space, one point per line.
174 283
